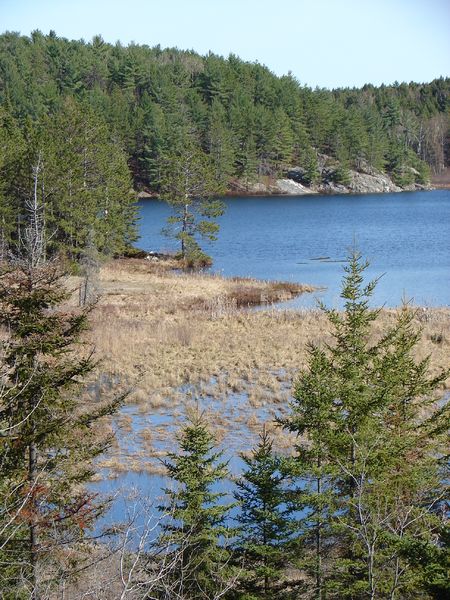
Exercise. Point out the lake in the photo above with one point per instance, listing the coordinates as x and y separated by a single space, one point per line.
304 239
405 236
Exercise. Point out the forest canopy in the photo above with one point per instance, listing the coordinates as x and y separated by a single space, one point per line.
89 116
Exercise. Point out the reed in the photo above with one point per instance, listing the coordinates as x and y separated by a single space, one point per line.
157 331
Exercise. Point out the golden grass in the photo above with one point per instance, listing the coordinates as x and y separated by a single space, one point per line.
156 330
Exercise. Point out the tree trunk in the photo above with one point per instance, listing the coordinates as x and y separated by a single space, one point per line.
184 229
32 532
32 485
319 540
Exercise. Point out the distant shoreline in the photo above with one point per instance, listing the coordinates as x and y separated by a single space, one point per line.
365 181
144 195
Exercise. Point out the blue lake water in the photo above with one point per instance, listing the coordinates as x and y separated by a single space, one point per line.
305 239
139 491
405 236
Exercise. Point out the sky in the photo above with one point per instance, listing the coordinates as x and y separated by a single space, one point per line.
325 43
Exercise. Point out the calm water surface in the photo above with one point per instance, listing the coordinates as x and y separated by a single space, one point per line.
405 236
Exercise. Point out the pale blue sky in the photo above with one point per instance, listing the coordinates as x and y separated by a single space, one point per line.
328 43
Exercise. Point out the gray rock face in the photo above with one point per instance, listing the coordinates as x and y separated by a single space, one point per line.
333 188
360 183
363 183
291 187
366 180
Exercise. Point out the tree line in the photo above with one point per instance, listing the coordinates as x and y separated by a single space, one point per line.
244 117
357 509
75 113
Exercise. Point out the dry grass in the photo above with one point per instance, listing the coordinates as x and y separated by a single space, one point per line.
157 331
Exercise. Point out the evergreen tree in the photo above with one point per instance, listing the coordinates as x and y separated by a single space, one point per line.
431 561
340 148
242 122
312 497
154 142
81 179
377 140
247 161
356 138
283 147
189 186
220 144
48 438
265 139
194 532
92 181
308 160
11 149
264 531
368 464
40 72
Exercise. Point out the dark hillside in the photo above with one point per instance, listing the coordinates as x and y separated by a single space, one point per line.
81 124
250 122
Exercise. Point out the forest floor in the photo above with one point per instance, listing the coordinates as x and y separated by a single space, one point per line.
180 340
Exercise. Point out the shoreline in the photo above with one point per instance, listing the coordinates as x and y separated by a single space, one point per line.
175 339
151 196
144 195
367 180
441 186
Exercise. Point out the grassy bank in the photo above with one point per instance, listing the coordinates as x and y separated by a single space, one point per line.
161 334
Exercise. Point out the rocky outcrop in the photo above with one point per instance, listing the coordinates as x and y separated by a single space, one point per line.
291 187
366 180
365 183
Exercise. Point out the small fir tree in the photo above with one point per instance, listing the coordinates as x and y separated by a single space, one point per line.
48 438
189 186
368 461
311 496
264 521
194 533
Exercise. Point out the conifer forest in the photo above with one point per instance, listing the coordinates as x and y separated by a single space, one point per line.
355 504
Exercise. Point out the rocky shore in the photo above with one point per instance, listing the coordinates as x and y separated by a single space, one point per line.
366 180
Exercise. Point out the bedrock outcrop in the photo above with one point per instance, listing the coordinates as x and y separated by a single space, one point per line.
366 180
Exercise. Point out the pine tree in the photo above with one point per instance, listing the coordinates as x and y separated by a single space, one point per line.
308 160
220 144
242 116
377 140
47 433
119 83
340 149
368 463
356 138
90 178
189 186
11 150
81 177
154 142
283 147
247 162
265 528
194 533
265 139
